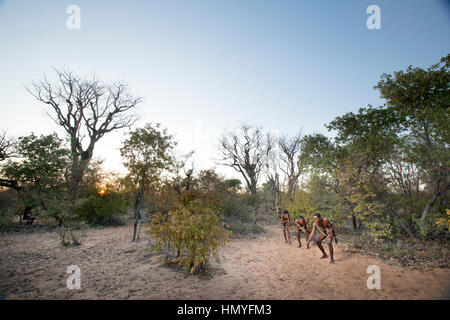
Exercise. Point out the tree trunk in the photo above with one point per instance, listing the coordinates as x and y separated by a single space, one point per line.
355 225
138 208
140 225
253 183
425 212
136 220
276 203
76 177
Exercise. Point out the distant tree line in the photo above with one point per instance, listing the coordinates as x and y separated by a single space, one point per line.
385 170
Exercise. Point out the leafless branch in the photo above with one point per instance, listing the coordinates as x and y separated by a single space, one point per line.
246 149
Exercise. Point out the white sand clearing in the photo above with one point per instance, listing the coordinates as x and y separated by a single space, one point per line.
34 267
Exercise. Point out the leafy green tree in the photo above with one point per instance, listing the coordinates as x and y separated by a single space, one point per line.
146 153
330 168
388 163
39 172
420 100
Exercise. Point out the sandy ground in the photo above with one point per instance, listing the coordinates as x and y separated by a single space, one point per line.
34 267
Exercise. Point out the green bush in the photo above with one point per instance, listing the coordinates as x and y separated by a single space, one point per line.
8 206
195 233
101 209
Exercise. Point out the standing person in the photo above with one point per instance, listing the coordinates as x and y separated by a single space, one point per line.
323 224
286 221
302 225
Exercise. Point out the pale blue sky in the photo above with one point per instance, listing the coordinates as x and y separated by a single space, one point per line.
204 66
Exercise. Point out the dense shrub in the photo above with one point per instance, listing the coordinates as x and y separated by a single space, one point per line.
8 204
195 234
101 208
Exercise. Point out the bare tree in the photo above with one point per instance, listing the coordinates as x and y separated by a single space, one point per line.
290 163
246 150
7 147
273 178
87 109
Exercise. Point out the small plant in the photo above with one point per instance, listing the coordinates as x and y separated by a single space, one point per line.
444 223
194 233
68 236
